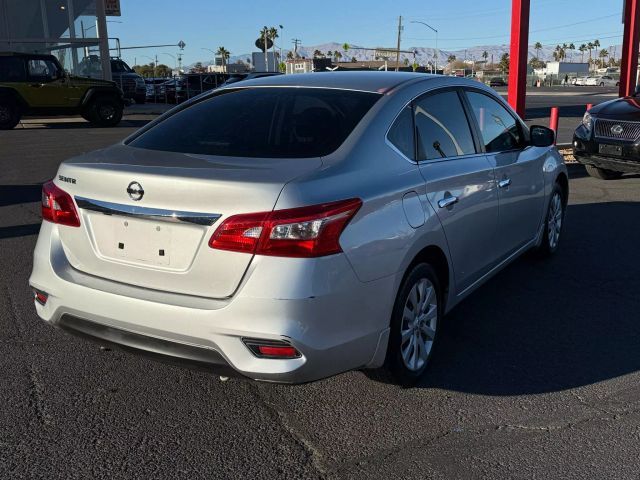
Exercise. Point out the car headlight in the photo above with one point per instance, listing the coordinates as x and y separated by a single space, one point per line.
587 121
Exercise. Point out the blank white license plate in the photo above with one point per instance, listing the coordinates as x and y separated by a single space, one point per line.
144 241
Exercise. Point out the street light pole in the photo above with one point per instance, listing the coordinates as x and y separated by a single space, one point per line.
436 31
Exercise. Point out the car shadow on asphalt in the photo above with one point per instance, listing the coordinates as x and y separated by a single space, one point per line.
545 325
16 194
14 231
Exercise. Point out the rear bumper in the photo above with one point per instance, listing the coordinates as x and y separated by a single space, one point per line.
317 305
154 348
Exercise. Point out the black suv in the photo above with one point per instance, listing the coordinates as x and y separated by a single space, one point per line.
608 140
33 84
133 85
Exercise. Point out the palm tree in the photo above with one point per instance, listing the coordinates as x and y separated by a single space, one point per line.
537 47
345 47
224 54
572 47
590 48
338 56
290 54
316 53
272 34
603 54
329 54
582 48
406 62
451 58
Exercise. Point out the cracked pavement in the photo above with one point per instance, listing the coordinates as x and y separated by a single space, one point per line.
536 375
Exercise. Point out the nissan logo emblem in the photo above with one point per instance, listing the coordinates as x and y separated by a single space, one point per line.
135 191
617 129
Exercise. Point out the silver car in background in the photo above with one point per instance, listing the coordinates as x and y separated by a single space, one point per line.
298 226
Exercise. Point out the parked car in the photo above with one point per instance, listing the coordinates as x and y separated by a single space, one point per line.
34 84
497 82
327 224
602 81
581 81
155 89
193 84
129 81
607 141
239 77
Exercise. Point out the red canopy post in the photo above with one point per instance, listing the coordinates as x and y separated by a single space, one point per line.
518 54
629 59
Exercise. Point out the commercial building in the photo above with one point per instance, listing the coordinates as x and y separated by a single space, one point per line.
75 31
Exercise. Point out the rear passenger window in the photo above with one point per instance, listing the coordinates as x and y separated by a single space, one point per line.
401 133
11 69
442 129
499 129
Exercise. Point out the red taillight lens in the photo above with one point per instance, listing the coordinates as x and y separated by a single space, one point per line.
279 352
40 297
312 231
58 207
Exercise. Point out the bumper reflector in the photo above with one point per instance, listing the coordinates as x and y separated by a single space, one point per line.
271 349
40 297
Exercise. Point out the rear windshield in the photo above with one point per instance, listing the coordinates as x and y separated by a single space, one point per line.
270 122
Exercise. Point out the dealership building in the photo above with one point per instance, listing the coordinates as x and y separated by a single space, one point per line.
75 31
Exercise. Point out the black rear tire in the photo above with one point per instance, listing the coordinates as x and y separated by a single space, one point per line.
602 173
105 112
395 366
551 241
9 114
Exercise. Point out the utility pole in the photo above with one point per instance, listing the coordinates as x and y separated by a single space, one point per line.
264 39
398 50
296 42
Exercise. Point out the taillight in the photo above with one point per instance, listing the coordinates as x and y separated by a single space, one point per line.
312 231
271 348
58 207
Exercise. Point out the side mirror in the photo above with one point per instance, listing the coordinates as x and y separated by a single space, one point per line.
542 136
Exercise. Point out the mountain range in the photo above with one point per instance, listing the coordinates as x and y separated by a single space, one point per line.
427 54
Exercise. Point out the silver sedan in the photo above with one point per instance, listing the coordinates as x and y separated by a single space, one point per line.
298 226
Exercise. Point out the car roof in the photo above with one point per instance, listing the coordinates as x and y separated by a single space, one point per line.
379 82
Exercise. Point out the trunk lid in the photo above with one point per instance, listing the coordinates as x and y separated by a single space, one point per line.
161 240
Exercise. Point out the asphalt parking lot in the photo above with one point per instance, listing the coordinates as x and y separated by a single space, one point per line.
537 375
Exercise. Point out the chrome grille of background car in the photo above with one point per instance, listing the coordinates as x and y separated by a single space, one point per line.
630 130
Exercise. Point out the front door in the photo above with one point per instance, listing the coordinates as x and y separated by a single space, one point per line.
518 170
46 85
460 184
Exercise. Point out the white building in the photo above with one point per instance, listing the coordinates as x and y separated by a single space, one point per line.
258 62
563 68
299 65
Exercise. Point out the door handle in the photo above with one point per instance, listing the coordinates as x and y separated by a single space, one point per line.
447 201
504 183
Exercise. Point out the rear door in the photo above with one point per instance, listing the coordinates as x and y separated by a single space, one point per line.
460 183
46 84
518 170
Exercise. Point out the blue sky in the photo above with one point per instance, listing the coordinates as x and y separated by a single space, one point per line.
461 24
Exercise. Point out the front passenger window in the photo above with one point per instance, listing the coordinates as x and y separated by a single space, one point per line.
500 130
442 129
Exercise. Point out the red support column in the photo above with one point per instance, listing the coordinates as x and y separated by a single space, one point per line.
629 59
519 53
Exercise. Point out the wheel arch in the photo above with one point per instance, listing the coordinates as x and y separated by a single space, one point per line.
434 256
6 92
94 92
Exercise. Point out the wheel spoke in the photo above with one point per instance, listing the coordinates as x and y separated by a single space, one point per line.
432 312
428 331
405 335
413 297
408 314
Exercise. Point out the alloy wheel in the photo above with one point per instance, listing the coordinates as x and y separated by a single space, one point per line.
419 324
554 221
